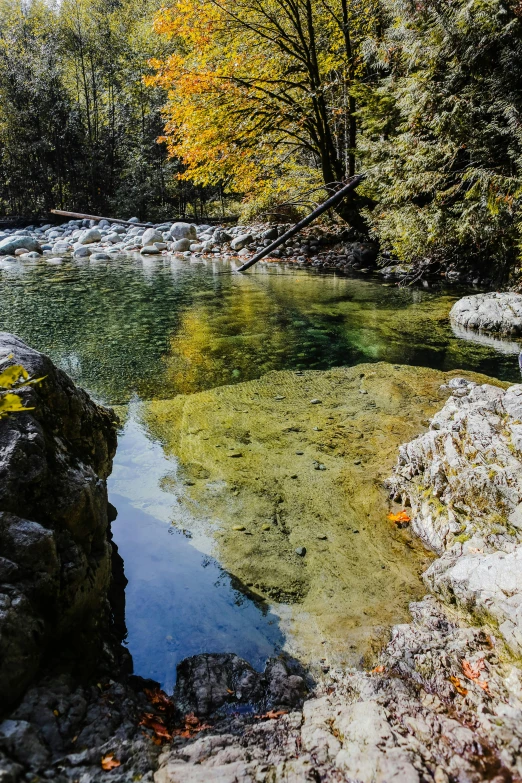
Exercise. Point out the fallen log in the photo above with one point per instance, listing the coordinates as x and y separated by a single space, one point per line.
83 216
328 204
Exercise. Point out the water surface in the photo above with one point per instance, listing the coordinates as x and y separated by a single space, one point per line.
139 329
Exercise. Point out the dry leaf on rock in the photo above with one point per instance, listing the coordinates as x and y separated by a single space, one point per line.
271 715
400 518
109 762
472 670
457 685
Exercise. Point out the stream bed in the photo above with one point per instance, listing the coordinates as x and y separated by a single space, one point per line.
159 338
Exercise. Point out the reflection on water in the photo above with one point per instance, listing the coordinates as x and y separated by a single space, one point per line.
156 328
179 601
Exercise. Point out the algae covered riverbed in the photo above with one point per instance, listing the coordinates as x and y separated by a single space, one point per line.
285 473
209 362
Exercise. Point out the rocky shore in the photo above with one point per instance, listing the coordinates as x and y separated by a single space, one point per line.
442 703
319 247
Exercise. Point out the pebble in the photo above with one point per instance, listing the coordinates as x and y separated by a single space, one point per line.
301 551
266 527
238 527
299 453
322 537
315 402
235 454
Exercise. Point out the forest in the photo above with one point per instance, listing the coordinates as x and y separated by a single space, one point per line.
261 107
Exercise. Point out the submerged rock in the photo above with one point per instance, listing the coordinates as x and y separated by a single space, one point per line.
55 554
493 312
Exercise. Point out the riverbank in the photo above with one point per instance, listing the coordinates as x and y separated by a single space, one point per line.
319 247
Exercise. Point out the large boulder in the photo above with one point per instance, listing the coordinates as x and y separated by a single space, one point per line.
183 231
242 241
492 312
150 236
90 236
10 245
55 554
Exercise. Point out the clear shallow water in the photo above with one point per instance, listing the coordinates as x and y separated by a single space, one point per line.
140 329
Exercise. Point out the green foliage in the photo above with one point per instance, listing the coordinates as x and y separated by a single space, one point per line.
78 128
442 134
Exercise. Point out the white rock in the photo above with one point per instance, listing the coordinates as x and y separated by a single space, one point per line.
492 312
89 236
151 236
183 231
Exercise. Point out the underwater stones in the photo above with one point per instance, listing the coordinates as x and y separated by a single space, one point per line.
301 551
491 312
149 250
272 482
53 518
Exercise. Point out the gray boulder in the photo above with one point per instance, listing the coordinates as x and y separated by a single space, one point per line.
183 231
492 312
55 567
90 236
181 245
149 250
150 236
241 241
10 245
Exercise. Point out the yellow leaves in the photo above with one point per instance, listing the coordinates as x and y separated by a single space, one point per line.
13 377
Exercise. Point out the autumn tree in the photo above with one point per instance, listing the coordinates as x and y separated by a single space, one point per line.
262 92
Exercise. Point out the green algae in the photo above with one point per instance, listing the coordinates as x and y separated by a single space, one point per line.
261 456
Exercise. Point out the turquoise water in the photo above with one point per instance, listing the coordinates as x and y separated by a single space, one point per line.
134 329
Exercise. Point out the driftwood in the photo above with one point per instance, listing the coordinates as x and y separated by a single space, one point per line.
331 202
82 216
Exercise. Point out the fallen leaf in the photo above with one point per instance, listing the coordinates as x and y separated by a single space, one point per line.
484 685
159 698
457 685
109 762
400 517
472 670
192 726
378 670
271 715
229 691
155 722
